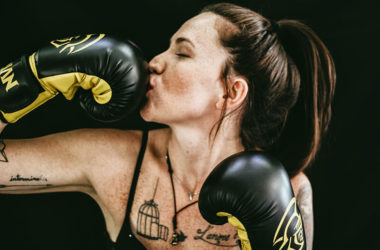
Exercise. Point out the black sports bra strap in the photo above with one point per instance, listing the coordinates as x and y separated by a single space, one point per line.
125 239
136 174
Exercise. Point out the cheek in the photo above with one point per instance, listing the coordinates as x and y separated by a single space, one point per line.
197 75
178 83
194 86
195 95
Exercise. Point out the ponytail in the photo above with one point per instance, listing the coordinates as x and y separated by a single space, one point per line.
309 118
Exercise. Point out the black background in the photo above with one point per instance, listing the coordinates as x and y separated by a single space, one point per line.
345 176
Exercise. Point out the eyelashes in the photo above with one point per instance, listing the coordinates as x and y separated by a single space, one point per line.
182 55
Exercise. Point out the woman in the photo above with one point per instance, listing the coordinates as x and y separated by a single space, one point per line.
230 80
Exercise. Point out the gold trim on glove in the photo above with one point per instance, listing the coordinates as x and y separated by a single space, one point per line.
41 99
242 233
69 83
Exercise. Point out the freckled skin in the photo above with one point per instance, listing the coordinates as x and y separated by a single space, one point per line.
100 163
187 88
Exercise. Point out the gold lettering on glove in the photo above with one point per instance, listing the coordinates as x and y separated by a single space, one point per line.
289 233
7 75
75 44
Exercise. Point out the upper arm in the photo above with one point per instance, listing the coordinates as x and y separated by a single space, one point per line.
59 162
304 195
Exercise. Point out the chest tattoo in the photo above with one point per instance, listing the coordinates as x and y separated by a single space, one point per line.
216 239
148 221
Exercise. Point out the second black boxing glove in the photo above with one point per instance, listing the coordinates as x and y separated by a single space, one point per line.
252 191
113 73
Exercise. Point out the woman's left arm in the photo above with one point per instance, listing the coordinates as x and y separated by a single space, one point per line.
304 195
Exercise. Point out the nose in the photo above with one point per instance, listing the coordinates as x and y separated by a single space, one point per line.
157 64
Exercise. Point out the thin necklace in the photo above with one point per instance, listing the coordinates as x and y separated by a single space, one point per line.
176 236
191 194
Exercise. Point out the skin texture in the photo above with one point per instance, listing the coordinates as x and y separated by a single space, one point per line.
174 81
2 126
304 195
187 95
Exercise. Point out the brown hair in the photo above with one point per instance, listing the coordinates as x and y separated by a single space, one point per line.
291 77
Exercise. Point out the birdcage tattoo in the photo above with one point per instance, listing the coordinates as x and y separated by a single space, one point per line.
148 221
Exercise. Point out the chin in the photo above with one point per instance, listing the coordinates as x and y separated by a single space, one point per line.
149 116
146 113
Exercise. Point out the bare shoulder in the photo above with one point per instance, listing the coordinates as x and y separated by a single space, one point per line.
304 195
111 179
300 183
99 147
113 151
116 156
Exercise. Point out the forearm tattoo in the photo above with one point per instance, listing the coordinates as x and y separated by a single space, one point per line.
18 177
305 204
3 156
30 186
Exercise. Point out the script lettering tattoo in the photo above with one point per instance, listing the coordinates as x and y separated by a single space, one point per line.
3 156
215 238
31 186
305 204
148 220
31 178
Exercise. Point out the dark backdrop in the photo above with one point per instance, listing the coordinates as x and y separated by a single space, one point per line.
345 176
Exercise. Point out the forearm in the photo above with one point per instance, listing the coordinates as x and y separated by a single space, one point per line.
3 157
2 126
44 164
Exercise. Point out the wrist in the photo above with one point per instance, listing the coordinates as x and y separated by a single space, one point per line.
2 125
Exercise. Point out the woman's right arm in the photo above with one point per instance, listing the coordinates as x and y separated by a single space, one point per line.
68 161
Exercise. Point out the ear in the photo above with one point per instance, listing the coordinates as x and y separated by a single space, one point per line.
238 90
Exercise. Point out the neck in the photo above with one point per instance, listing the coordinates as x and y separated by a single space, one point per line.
194 153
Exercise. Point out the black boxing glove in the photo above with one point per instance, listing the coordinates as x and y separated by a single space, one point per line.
252 191
113 73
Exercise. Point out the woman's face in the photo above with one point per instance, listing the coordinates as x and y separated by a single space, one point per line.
186 78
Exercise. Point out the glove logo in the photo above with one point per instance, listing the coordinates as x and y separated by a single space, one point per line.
289 233
6 76
75 44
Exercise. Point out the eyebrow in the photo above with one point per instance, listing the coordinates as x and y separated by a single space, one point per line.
182 39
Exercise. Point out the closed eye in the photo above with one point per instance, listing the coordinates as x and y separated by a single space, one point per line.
181 55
